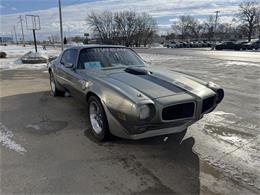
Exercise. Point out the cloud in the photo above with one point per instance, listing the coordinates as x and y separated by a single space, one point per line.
164 11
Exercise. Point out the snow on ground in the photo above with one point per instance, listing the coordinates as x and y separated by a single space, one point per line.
230 138
14 53
164 59
8 64
6 140
238 63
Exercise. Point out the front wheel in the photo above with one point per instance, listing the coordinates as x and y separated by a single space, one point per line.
97 118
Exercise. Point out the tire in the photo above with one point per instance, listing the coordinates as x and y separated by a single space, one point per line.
178 137
97 119
54 90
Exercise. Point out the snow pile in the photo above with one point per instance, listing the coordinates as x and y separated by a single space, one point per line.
16 52
9 64
5 140
34 58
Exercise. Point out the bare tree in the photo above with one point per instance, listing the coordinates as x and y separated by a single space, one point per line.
209 27
248 16
103 26
181 26
187 27
126 28
258 22
146 29
194 27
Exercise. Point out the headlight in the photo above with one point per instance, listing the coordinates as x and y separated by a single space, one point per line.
144 112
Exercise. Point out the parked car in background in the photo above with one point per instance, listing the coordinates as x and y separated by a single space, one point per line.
206 43
201 44
240 45
180 44
193 44
172 44
187 44
226 45
253 45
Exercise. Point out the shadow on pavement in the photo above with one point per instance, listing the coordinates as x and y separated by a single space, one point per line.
171 168
174 167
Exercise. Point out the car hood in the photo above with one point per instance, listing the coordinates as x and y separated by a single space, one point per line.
156 83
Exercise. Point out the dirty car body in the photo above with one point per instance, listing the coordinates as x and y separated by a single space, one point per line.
139 100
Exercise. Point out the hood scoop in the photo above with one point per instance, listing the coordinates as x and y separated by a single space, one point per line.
137 71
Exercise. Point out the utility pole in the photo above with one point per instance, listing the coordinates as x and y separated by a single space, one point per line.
215 28
15 35
21 21
61 30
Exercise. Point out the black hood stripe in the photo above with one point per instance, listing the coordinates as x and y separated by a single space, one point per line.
163 83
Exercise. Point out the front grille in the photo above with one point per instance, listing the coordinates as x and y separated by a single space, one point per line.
208 103
178 111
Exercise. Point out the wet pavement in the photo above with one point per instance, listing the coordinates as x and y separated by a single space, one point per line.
46 147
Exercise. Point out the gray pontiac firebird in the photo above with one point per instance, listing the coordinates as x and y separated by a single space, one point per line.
128 98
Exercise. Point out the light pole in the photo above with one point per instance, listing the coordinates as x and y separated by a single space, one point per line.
61 30
215 28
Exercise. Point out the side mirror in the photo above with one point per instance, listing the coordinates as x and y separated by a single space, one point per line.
68 65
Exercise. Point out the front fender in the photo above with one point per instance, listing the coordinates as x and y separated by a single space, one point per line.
120 102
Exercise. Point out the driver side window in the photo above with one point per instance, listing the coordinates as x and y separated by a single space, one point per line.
69 57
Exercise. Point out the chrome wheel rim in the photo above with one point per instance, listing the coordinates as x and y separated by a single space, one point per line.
52 85
95 117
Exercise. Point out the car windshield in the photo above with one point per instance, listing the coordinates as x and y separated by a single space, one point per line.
108 57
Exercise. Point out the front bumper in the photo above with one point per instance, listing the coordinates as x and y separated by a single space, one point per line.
145 131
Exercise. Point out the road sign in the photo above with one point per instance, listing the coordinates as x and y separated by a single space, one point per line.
33 23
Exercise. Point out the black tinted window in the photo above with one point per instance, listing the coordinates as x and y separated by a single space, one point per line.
69 56
107 57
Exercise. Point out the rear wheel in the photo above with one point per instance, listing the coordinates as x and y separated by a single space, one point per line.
97 118
54 90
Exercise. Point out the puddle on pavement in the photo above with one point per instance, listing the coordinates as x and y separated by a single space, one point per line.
46 127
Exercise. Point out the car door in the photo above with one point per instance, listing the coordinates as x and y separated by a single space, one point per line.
70 79
62 71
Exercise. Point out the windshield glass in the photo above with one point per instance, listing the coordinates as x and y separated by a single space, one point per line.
108 57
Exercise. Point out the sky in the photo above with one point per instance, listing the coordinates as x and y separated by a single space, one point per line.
75 12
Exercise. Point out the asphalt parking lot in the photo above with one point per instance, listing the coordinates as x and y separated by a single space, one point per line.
46 148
